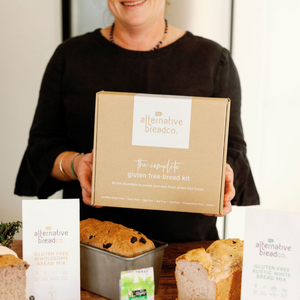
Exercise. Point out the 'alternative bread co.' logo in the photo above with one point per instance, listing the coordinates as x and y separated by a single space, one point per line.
49 236
272 249
160 124
161 121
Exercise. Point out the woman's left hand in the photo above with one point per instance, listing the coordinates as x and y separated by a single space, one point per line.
229 192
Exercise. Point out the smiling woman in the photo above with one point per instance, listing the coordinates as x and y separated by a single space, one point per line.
121 58
140 25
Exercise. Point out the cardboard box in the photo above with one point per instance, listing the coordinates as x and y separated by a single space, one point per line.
160 152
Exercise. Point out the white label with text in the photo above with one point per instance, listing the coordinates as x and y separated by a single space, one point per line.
271 266
162 121
51 247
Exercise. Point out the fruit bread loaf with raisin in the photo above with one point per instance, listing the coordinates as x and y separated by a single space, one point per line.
114 238
214 274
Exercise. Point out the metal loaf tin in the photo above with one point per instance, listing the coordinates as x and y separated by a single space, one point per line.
101 270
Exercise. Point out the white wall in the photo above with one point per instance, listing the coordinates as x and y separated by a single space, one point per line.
266 52
207 18
29 32
89 15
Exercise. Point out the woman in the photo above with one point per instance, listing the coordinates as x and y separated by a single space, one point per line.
139 53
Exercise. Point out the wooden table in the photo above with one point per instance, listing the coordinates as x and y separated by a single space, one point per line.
167 286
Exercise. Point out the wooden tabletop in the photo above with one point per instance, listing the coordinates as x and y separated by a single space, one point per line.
167 286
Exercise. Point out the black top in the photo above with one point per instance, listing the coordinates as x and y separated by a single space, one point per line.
64 119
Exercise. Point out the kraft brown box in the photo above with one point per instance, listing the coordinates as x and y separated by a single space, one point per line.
160 152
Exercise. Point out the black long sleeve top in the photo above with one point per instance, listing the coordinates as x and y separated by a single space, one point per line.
64 119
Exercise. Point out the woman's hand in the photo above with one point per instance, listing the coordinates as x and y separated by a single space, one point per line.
229 192
83 167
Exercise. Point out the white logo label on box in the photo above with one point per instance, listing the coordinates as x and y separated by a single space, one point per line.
162 121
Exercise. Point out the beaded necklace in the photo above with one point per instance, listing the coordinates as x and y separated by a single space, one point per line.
154 48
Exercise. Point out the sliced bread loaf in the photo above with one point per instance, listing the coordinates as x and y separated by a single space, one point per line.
214 274
12 277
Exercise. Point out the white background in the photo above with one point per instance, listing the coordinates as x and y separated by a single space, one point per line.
29 33
266 51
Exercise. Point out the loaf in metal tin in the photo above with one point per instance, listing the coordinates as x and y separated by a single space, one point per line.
114 238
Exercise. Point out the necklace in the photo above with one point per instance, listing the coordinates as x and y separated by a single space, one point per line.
111 38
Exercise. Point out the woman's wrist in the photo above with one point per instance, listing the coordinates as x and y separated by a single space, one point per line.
65 166
61 164
74 164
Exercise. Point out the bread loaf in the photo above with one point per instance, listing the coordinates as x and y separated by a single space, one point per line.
12 277
114 238
214 274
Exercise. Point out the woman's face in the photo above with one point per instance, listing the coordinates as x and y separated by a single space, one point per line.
136 12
